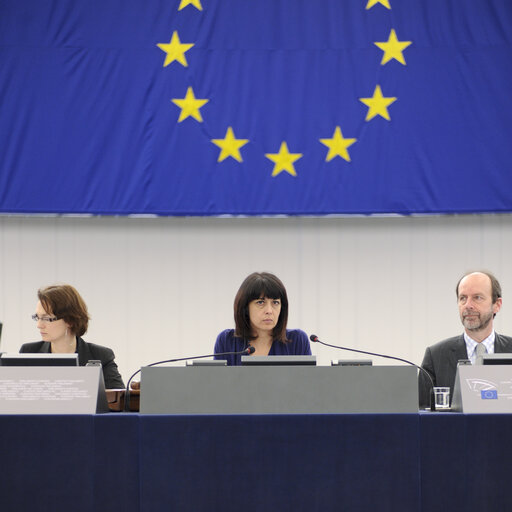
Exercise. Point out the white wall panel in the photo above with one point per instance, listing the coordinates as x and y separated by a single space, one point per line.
164 287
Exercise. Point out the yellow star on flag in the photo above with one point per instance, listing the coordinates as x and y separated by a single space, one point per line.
175 50
283 160
230 146
393 48
371 3
189 106
337 145
195 3
377 105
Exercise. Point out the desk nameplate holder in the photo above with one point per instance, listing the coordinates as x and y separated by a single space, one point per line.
278 390
483 389
52 390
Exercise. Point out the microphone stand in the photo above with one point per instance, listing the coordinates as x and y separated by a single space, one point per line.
247 351
315 339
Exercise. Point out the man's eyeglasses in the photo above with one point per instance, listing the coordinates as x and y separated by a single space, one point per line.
46 319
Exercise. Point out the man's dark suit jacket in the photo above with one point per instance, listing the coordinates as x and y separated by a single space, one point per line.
86 352
441 359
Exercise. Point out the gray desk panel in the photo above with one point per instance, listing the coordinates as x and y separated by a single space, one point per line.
279 390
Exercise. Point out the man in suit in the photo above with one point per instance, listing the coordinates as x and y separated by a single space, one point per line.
479 299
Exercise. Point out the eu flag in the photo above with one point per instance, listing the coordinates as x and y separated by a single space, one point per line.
255 107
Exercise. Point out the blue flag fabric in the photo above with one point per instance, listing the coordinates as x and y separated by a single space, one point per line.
255 107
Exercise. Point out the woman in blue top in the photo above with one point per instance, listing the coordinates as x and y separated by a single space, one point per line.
261 314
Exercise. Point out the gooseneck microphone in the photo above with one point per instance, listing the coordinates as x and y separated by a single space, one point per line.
246 352
315 339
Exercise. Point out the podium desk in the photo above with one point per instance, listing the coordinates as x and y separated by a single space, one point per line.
421 462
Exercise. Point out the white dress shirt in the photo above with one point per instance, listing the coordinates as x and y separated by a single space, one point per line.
471 345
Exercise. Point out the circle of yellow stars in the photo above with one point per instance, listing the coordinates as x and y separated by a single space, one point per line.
283 160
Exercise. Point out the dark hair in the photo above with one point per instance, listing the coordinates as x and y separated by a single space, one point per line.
495 285
65 303
256 285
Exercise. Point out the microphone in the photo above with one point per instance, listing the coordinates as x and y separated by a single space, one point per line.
246 352
315 339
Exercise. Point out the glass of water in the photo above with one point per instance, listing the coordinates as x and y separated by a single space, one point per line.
442 396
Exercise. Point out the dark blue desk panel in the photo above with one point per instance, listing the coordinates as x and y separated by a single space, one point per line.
69 463
288 462
466 462
127 462
47 463
116 463
490 462
443 462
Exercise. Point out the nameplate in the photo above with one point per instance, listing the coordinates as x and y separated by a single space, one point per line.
52 390
483 389
279 390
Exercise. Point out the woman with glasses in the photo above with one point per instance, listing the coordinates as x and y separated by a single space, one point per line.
62 318
261 315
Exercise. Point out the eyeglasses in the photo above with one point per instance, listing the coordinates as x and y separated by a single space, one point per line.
46 319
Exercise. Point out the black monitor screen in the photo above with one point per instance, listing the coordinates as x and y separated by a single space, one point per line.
500 359
39 360
278 360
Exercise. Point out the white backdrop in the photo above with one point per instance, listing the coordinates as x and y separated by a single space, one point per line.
160 288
